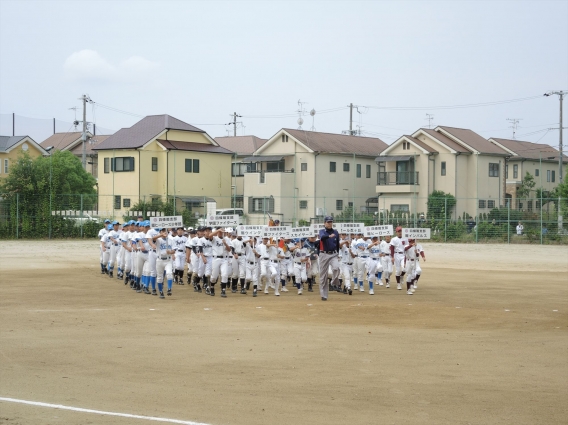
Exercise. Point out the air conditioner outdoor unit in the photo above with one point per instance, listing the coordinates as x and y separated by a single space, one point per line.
319 211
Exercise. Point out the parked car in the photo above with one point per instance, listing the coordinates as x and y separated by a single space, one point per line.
83 219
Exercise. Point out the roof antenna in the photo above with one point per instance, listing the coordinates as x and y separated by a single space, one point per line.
313 114
301 112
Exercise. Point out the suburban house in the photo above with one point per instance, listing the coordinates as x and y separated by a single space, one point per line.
74 142
161 157
454 160
242 147
10 148
300 175
541 161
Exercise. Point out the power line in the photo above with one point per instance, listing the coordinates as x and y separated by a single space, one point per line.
468 105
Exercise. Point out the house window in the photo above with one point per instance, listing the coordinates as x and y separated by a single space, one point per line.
303 205
122 163
107 165
358 171
536 172
239 169
126 202
261 205
332 167
192 166
345 166
368 171
481 204
154 164
493 169
304 166
443 169
350 204
284 138
529 205
238 201
400 208
553 176
490 203
339 205
275 166
516 171
548 175
117 202
6 166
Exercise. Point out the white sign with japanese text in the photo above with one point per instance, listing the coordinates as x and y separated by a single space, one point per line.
351 228
167 221
222 220
301 232
250 231
315 228
385 230
416 233
277 232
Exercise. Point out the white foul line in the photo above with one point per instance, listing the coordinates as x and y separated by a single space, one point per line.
99 412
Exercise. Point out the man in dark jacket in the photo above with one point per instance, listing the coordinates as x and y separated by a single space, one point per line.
329 249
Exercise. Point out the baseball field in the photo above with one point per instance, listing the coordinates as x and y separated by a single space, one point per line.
484 340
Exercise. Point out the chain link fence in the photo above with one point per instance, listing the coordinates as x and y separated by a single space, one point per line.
44 216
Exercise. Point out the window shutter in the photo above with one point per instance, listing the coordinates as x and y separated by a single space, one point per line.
271 205
250 204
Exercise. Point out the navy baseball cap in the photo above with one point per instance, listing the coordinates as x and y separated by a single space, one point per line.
328 218
107 221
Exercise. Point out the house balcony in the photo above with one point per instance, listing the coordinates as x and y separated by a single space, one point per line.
397 182
265 183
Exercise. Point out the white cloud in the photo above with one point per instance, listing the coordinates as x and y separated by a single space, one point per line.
90 65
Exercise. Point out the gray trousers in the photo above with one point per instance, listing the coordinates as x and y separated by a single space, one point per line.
325 260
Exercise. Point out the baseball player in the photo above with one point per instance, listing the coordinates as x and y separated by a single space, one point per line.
192 258
386 260
251 259
206 260
145 246
239 264
164 251
301 257
113 236
103 232
286 263
361 248
179 241
397 245
105 247
410 265
419 253
125 236
346 263
312 245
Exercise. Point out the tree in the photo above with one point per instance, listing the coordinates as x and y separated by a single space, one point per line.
527 185
561 191
440 204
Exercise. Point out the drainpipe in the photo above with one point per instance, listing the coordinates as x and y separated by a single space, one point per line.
456 186
353 196
315 183
433 173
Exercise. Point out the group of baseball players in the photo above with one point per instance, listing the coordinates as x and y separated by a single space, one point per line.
144 257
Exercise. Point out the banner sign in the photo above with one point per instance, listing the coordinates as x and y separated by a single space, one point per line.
222 220
385 230
315 228
250 231
167 221
277 232
300 232
351 228
416 233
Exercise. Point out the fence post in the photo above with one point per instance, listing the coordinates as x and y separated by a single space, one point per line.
541 214
50 211
445 219
508 222
17 215
82 221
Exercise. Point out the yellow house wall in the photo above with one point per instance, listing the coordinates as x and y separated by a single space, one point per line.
13 155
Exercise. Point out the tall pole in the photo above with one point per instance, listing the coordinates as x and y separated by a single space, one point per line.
234 124
13 123
560 141
351 119
84 135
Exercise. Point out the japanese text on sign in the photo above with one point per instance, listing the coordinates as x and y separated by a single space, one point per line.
315 228
222 220
250 230
279 232
416 233
300 232
350 227
385 230
167 221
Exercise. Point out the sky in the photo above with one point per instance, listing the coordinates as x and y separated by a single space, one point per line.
200 61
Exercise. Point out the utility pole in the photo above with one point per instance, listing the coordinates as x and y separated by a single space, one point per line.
351 119
514 124
84 135
234 123
560 94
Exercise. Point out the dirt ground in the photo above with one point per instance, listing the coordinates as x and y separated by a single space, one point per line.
483 341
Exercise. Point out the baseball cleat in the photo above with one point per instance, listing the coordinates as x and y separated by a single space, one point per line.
350 291
243 291
254 294
300 291
284 289
147 291
380 283
415 286
323 298
398 286
223 293
110 274
162 294
409 292
412 289
387 286
371 292
169 292
361 289
154 292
